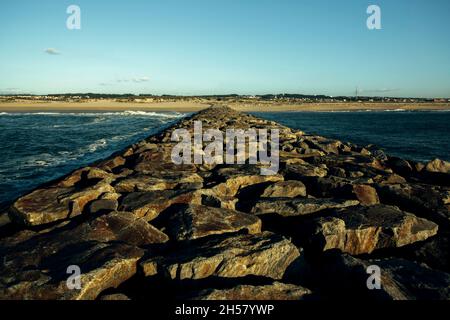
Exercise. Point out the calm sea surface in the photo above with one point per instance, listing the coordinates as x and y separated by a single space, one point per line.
415 135
38 147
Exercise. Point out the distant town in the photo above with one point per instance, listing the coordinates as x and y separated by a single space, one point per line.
229 98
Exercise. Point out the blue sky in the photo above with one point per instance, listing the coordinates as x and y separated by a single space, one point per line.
226 46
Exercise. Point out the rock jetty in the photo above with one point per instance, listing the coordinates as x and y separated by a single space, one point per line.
136 225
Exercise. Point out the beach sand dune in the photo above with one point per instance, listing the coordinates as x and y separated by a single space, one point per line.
197 105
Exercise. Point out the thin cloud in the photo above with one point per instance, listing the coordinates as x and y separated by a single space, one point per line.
52 51
383 90
135 79
141 79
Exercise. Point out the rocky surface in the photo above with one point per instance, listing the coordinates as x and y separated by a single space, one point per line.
137 225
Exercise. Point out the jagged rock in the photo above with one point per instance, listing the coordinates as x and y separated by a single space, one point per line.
329 187
102 205
194 221
167 181
326 145
112 163
237 177
298 171
123 226
438 165
299 206
4 219
156 163
35 266
434 252
274 291
400 166
287 189
390 179
345 277
150 204
78 199
115 226
420 199
359 230
212 199
41 206
102 266
338 172
366 194
265 254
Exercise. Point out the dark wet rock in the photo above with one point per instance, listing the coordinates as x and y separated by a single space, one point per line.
298 206
329 187
435 252
186 222
424 200
4 219
266 254
358 230
345 277
274 291
400 166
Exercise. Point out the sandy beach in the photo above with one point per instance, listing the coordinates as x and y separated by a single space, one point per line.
193 106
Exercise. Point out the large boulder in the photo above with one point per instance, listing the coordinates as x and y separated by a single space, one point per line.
299 206
34 265
266 254
101 266
438 165
150 204
286 189
344 277
52 204
232 179
195 221
273 291
359 230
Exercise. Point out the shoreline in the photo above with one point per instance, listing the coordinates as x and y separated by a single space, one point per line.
194 106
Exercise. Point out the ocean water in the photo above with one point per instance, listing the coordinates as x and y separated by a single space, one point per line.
38 147
415 135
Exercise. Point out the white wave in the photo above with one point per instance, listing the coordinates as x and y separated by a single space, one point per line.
395 110
101 143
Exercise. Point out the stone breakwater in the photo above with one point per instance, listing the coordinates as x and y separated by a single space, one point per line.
138 226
